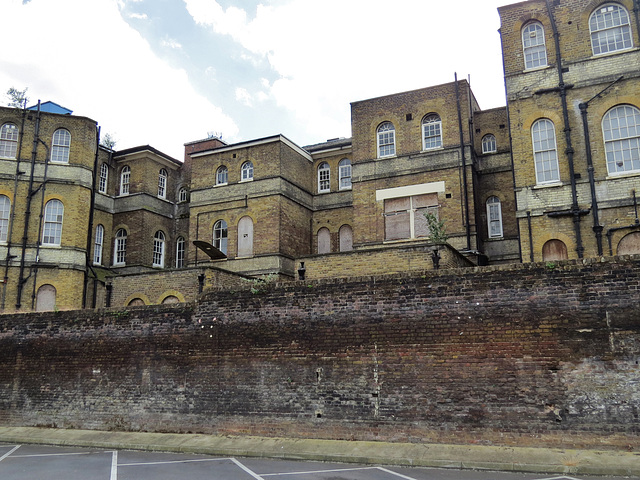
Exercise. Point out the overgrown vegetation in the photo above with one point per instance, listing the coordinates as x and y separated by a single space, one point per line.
437 230
260 284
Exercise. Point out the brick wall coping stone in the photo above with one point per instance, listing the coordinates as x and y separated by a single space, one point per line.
497 458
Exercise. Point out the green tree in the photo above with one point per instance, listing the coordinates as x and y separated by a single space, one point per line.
17 98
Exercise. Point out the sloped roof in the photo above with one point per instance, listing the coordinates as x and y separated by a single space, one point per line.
52 107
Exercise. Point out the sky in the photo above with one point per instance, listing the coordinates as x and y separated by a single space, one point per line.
167 72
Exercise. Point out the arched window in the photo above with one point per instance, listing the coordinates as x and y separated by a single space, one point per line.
494 217
621 131
46 298
53 215
60 146
97 245
5 212
247 171
125 177
120 247
344 172
104 176
222 175
245 237
629 245
489 144
431 131
554 250
158 249
220 236
182 195
8 140
180 250
324 177
545 152
162 183
533 44
346 238
324 240
610 29
386 140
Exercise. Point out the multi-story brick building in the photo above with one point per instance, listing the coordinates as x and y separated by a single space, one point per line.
573 96
553 175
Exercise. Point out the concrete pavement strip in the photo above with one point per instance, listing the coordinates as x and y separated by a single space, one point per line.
522 459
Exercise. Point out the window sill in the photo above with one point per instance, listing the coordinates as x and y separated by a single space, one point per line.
615 176
221 184
387 156
246 180
617 52
536 69
548 185
434 149
7 158
322 192
50 245
346 189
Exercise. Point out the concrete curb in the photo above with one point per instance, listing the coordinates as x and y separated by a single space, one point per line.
521 459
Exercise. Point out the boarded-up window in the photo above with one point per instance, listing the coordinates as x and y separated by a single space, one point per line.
554 250
245 237
171 299
324 240
46 298
630 244
405 217
346 238
136 302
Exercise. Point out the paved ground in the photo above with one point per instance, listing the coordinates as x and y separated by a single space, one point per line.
21 462
130 455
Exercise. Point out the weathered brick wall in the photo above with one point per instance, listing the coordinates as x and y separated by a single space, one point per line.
529 355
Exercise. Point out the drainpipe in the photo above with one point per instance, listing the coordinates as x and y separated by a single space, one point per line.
636 224
92 202
464 166
27 213
597 228
13 208
530 237
575 209
636 13
42 186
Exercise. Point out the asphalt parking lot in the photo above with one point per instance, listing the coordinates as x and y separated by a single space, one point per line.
22 462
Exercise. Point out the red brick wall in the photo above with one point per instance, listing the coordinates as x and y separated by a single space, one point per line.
535 354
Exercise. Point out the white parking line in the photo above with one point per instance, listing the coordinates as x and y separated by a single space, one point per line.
253 474
399 475
9 452
55 454
114 465
173 461
321 471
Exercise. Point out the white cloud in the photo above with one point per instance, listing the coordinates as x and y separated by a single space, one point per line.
243 96
115 78
171 43
331 52
138 16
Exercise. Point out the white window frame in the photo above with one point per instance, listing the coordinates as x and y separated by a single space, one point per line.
5 214
386 140
545 152
534 46
494 217
97 245
9 140
247 172
104 177
53 219
158 249
120 247
412 211
221 236
60 146
180 252
182 195
222 175
344 174
621 133
162 183
431 132
125 179
324 178
489 144
610 29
